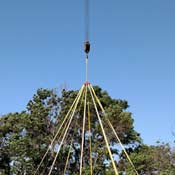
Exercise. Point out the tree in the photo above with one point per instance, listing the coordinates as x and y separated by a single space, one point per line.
151 160
26 136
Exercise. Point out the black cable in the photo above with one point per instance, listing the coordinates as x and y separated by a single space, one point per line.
86 8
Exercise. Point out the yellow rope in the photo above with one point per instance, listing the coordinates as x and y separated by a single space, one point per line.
72 137
63 130
67 115
83 132
66 131
90 139
68 157
116 135
104 134
122 146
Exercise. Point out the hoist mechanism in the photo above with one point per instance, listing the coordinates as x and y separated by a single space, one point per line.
87 47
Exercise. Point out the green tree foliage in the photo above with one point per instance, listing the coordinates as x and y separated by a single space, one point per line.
151 160
25 136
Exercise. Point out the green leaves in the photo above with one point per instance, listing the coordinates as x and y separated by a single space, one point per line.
25 136
152 160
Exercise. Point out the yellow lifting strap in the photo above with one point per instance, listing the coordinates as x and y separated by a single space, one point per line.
59 129
103 132
83 132
68 156
116 135
90 139
66 131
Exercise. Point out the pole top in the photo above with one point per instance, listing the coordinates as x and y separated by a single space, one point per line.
87 83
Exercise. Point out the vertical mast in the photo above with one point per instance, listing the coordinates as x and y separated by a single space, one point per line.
86 42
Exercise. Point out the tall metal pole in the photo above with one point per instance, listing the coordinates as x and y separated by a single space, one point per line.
86 42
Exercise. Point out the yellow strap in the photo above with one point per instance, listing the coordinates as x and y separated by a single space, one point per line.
73 112
116 135
67 115
67 160
104 134
72 137
90 139
83 131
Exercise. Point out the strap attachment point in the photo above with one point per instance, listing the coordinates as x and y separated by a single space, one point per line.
87 83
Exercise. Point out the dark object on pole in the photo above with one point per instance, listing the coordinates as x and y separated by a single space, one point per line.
87 47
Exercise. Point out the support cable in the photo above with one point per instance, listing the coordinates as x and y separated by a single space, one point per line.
83 132
121 145
104 134
66 131
74 134
90 140
68 156
116 135
86 19
67 115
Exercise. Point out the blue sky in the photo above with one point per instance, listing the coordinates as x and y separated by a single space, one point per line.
132 55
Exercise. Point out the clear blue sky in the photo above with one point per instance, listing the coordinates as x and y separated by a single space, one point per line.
132 56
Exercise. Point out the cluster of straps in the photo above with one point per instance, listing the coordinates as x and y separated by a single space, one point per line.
64 128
